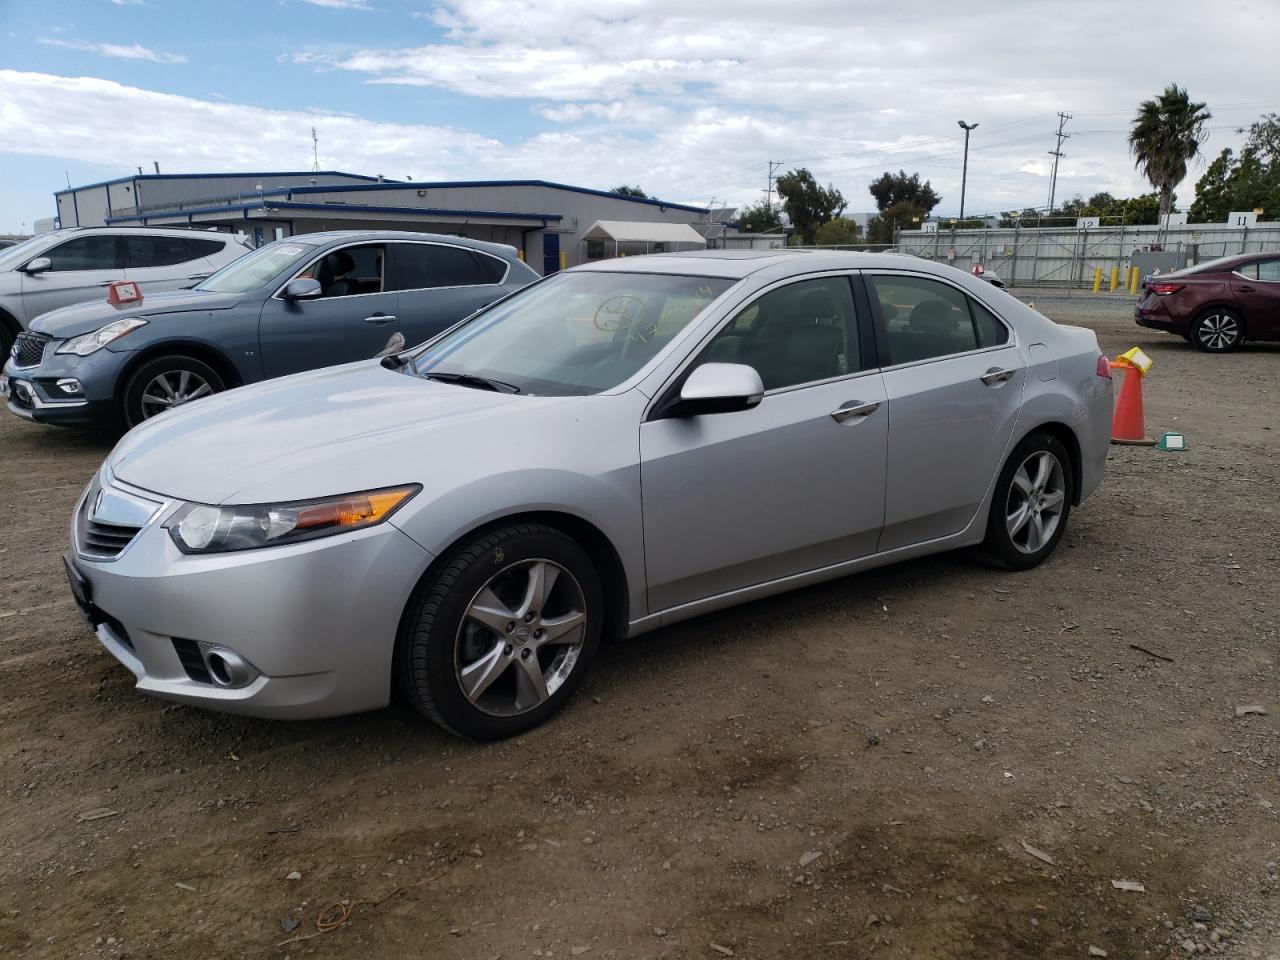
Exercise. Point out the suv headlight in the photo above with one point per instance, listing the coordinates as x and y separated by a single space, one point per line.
200 528
88 343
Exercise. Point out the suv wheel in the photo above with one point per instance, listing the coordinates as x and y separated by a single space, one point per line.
501 636
167 382
1218 331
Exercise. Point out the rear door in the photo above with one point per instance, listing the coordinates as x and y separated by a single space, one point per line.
954 376
159 262
355 318
791 485
1256 287
439 284
82 268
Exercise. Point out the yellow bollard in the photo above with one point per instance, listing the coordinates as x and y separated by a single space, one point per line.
520 254
1133 281
1097 279
1115 279
564 259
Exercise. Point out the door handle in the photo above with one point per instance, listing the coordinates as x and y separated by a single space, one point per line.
995 375
378 319
199 276
854 408
107 283
1245 288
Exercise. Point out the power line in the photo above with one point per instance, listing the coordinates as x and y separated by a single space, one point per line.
1057 155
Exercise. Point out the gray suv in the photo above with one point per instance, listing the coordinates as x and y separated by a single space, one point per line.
74 265
292 305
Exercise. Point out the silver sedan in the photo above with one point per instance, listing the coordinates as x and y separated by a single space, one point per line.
613 449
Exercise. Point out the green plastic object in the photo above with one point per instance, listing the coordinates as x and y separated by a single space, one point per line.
1172 441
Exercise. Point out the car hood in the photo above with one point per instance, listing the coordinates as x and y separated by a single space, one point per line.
337 430
86 317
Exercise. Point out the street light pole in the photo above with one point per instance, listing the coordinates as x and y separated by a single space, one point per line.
964 175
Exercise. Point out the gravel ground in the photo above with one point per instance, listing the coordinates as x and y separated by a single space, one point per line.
935 760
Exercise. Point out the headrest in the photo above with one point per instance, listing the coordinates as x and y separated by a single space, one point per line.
932 316
339 262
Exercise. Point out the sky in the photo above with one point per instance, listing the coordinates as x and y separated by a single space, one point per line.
689 99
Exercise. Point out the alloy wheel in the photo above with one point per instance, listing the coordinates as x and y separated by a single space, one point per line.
1036 499
171 389
1218 331
520 638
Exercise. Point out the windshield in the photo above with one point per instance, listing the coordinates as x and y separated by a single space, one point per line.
11 257
574 334
254 269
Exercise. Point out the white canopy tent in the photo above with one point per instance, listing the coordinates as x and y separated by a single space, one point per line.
637 236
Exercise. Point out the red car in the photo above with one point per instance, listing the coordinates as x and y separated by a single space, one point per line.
1216 305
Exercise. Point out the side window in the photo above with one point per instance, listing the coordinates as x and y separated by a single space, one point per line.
423 265
349 271
1269 270
156 251
991 332
1249 270
97 252
204 248
799 333
923 318
492 270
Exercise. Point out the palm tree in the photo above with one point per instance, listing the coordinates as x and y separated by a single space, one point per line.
1167 132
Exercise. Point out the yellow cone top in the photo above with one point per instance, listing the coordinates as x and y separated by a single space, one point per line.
1137 359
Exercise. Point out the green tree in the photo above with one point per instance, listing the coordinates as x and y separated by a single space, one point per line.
758 217
837 232
903 215
890 188
1246 182
1165 135
625 191
808 205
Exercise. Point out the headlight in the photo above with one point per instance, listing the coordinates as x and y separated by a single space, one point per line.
88 343
198 528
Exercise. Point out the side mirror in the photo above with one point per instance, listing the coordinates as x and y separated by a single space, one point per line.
38 265
719 388
304 288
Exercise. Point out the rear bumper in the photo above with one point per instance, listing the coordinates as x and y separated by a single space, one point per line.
1157 318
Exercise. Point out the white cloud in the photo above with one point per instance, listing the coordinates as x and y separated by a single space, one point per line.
132 51
340 4
131 3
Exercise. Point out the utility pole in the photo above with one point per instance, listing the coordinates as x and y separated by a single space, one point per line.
768 186
964 171
1057 155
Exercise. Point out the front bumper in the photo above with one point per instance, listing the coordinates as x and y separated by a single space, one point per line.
33 392
315 622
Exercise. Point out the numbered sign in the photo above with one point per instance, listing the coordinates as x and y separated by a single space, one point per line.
123 291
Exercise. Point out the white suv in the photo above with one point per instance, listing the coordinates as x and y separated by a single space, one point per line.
74 265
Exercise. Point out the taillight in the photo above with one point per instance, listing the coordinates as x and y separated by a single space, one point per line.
1104 368
1164 289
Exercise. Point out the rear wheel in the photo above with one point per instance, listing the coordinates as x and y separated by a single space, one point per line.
167 382
1217 331
1031 503
501 636
8 333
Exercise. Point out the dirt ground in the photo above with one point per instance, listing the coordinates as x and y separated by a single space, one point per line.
854 770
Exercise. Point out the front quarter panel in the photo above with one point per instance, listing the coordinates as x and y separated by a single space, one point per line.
232 333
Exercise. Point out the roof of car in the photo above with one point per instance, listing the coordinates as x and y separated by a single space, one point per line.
736 264
330 236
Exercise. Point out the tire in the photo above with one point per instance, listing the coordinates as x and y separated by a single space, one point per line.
468 652
140 399
1217 331
7 336
1018 539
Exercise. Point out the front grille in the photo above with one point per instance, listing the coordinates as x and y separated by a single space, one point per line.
102 541
188 652
28 349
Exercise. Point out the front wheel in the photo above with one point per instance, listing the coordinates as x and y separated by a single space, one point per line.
1031 503
167 382
1218 331
500 637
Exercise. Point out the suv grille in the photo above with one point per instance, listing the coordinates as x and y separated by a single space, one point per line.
28 349
102 541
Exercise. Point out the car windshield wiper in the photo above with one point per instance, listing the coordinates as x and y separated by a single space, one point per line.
473 380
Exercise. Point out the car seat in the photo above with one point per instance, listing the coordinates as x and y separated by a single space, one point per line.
334 275
931 331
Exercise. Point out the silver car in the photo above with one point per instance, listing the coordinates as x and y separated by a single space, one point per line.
612 449
69 266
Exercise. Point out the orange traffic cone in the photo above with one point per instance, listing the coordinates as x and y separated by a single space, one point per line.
1129 424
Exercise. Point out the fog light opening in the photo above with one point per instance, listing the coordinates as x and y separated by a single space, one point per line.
70 385
227 669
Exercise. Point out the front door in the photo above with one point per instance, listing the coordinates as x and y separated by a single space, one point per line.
82 268
792 485
355 317
954 380
1256 287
